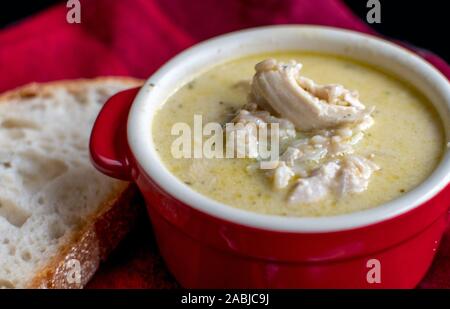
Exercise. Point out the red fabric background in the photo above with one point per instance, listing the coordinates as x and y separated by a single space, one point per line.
135 37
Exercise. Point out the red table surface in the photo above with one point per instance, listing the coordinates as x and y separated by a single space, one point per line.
134 38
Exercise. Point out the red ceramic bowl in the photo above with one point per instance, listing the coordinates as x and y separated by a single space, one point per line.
207 244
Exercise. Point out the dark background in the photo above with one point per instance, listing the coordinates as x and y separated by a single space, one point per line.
425 24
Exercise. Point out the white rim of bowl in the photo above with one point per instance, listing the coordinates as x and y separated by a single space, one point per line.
234 45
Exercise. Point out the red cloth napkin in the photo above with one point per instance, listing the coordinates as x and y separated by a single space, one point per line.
134 38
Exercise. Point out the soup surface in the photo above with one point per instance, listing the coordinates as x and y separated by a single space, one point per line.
406 140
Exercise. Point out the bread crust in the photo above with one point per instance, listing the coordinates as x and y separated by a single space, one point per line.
44 89
92 243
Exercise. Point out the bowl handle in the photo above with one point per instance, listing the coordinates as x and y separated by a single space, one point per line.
108 144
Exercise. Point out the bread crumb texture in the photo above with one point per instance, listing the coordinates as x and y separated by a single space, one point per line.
48 188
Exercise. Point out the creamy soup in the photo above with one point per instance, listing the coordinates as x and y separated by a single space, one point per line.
404 144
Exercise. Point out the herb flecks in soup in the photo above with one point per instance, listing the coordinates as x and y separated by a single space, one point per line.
324 168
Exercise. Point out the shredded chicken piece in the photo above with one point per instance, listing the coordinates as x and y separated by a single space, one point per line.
355 174
300 155
318 128
282 175
260 117
279 88
348 175
290 155
246 129
317 186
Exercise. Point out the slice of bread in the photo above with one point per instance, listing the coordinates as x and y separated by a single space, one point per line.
59 217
